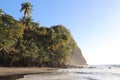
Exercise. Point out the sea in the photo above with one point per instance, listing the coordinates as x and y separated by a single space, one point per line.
94 72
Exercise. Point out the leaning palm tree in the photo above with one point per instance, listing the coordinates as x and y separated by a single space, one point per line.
27 8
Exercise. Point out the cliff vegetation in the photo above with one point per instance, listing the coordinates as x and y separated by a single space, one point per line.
25 43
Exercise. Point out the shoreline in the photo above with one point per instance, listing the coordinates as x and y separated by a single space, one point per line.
9 71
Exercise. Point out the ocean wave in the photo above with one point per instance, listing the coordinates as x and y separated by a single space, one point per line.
78 74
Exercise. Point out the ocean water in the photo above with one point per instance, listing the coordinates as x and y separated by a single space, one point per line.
109 72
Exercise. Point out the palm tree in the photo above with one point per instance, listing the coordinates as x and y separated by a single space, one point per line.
27 8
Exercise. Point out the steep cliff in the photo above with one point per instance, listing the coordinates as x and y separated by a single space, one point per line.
77 57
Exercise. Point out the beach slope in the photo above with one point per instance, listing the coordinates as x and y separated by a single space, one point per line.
4 71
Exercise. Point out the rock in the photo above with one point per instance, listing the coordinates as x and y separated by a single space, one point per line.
77 59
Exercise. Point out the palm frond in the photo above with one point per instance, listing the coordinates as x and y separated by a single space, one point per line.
27 8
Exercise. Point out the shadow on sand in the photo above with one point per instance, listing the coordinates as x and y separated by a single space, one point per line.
11 77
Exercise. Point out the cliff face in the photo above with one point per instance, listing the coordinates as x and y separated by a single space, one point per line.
77 58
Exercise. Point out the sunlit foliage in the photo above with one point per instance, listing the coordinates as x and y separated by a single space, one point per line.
33 46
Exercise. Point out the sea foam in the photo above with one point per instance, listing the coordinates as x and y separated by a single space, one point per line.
97 73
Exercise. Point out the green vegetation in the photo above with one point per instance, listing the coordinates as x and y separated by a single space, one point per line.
25 43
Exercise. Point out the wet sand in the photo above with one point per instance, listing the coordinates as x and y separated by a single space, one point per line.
6 71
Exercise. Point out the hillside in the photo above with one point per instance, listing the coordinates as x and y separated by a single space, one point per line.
25 43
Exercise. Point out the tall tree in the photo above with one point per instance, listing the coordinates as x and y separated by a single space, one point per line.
27 8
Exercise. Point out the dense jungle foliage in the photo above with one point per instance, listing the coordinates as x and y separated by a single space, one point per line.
25 43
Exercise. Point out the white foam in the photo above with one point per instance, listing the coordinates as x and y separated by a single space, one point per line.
78 74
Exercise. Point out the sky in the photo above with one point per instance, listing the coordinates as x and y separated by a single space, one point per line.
94 24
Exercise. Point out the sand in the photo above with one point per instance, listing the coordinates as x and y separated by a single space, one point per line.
5 71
